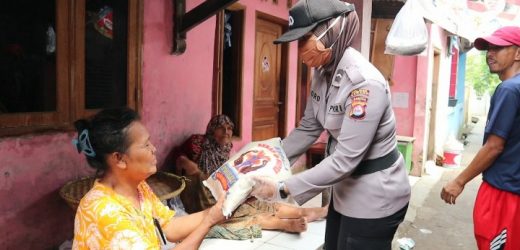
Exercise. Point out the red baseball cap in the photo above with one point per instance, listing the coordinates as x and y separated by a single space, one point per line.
505 36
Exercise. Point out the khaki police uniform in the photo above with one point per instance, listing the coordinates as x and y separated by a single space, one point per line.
356 111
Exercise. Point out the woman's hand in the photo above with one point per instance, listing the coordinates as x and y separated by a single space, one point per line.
215 214
191 229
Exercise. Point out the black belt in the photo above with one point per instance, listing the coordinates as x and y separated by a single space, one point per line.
378 164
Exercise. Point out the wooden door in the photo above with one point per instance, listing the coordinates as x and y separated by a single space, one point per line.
382 61
267 98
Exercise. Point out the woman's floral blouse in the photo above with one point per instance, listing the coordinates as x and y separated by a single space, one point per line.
107 220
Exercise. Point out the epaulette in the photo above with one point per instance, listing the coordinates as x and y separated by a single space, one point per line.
354 74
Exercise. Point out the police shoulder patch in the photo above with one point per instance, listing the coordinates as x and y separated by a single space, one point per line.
358 106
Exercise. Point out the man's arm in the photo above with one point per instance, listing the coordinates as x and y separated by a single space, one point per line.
484 158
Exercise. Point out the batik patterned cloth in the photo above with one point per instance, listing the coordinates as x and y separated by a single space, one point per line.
107 220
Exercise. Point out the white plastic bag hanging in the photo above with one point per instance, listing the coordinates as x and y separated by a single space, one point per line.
408 34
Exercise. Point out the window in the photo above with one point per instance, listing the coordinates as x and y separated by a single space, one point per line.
453 73
454 52
228 64
61 60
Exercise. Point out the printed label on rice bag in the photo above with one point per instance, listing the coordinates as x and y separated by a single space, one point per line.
262 158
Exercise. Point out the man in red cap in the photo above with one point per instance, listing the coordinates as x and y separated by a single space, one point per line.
496 214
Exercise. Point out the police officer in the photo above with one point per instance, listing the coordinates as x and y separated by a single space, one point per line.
351 100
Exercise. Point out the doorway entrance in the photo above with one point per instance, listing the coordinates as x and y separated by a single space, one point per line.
269 93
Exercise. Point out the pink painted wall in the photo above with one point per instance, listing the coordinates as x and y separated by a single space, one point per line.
413 75
177 89
404 82
33 168
409 78
176 103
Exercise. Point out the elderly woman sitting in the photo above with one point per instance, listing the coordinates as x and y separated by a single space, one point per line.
199 156
121 211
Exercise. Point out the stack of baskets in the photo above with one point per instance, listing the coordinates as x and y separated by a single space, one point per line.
164 185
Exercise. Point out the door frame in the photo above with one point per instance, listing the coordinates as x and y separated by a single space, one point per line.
218 57
284 62
303 88
432 123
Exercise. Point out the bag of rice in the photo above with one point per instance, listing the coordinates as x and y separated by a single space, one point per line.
260 158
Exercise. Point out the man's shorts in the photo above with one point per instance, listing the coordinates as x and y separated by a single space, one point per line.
496 218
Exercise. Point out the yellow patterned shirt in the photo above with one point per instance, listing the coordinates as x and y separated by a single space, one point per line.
107 220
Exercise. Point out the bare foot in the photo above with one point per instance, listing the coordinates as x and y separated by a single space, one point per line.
272 222
294 225
315 213
288 212
312 214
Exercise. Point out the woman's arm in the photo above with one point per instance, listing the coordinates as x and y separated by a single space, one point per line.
303 136
191 229
190 167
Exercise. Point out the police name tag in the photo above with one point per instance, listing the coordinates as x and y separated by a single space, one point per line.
315 97
336 109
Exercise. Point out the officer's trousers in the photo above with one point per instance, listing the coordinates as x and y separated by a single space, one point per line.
347 233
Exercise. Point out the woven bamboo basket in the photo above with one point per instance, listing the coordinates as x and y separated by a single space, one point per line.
164 185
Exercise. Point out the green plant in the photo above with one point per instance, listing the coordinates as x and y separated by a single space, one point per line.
478 75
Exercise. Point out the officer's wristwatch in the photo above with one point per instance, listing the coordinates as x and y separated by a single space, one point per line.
281 189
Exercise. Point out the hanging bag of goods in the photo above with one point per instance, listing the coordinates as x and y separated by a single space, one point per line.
408 34
259 158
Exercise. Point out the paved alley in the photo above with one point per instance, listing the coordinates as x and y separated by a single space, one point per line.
433 224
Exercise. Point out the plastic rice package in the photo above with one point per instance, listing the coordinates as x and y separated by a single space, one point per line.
259 158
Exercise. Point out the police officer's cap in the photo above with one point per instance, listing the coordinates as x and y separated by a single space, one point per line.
305 15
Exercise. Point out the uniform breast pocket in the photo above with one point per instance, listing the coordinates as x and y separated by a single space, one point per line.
334 121
335 115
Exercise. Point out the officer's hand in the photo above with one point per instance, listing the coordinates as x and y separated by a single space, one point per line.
451 191
265 188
